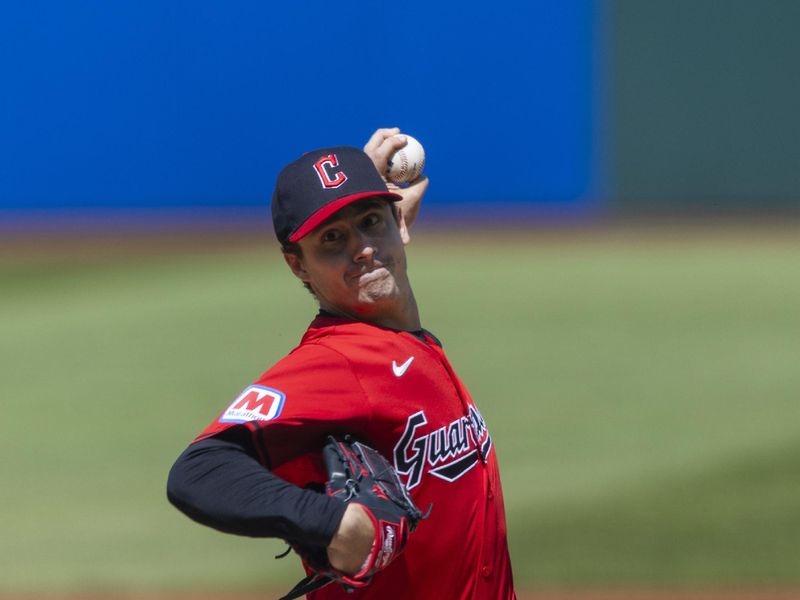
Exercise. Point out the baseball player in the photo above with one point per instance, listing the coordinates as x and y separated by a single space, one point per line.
365 367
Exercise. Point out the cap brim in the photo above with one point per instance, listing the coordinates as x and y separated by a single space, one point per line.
329 209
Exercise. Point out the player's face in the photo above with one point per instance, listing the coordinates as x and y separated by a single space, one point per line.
356 263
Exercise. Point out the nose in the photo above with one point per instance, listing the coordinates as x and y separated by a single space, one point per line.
365 250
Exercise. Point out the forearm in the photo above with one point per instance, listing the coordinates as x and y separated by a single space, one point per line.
220 484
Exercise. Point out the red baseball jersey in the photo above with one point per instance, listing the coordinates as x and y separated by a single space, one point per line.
400 395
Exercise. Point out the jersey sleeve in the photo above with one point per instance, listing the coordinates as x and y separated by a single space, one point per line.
219 482
292 408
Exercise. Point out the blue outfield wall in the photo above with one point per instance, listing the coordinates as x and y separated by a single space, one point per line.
180 105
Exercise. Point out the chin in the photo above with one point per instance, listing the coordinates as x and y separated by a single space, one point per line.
374 304
368 303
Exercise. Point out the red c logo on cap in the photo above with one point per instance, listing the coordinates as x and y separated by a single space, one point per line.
324 168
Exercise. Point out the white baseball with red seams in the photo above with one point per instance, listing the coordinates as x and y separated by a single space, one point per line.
407 163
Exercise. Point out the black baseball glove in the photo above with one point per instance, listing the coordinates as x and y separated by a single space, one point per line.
358 473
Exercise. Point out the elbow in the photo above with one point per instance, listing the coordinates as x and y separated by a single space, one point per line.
179 490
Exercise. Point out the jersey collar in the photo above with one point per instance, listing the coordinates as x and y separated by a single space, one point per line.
327 319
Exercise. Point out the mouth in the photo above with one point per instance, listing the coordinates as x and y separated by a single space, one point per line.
372 273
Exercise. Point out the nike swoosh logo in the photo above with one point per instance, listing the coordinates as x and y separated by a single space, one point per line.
399 370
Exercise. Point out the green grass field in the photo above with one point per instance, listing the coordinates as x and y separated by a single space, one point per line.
643 392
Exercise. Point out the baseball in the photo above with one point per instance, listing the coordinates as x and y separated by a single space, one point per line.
407 163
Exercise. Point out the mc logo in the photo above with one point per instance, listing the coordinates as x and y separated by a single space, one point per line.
255 403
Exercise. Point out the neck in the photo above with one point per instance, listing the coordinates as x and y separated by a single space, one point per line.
403 316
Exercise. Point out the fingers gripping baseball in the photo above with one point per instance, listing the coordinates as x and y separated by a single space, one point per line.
381 147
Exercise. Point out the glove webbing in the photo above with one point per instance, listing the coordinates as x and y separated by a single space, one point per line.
305 586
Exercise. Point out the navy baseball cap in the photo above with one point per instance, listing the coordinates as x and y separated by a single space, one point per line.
320 183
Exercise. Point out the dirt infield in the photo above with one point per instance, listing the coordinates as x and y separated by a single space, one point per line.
540 595
663 595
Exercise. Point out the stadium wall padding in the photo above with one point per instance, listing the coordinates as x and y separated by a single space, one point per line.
570 108
179 105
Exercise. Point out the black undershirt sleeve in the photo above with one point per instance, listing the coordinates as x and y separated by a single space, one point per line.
219 482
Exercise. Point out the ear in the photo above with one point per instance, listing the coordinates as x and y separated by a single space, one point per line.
296 265
401 225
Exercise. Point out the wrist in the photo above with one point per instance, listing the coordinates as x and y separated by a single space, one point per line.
352 544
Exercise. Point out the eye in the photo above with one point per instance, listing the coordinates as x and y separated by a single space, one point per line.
332 235
371 219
